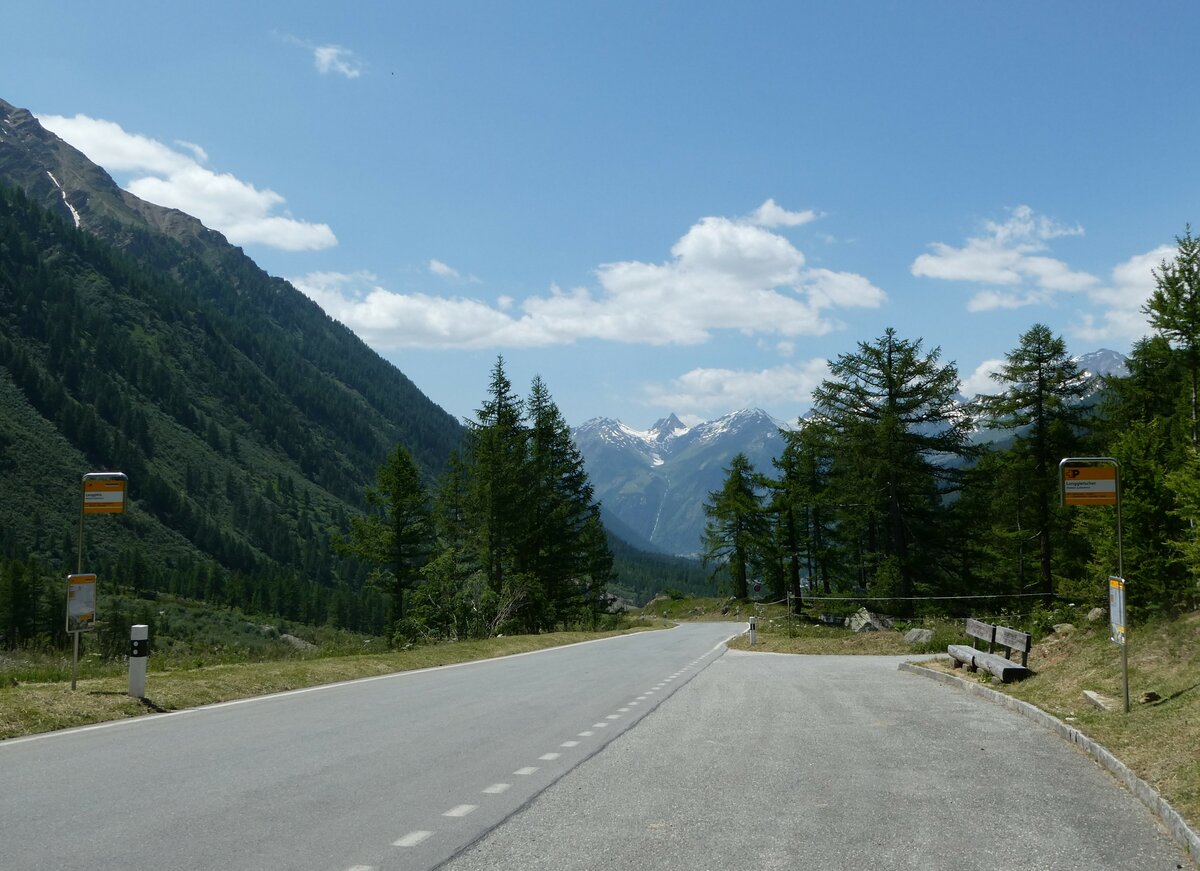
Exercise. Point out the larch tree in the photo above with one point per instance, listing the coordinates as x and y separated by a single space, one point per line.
735 523
1040 405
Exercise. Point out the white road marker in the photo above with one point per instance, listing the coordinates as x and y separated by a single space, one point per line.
569 744
497 788
588 734
549 757
460 810
412 839
613 717
623 710
526 771
361 868
599 725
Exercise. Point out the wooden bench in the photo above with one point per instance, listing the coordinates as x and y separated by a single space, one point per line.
1001 666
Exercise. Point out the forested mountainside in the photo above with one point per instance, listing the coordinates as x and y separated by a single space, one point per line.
249 423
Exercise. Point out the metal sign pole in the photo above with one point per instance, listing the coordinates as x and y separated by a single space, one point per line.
1097 481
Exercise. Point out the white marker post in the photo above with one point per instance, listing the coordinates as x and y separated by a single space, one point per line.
753 634
139 650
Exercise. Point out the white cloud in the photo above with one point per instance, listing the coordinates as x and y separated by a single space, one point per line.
770 214
1008 254
444 270
439 268
336 59
720 389
1121 300
990 300
722 274
980 381
162 175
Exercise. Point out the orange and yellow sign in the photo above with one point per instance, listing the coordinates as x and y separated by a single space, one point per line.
104 493
1089 485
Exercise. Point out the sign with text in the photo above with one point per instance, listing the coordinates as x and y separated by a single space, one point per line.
1088 484
104 492
1116 608
81 602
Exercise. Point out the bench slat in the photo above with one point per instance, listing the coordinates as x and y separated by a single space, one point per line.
991 662
983 631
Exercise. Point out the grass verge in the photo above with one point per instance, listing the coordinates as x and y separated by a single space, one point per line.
28 708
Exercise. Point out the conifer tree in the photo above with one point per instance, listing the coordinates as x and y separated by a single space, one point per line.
1040 404
894 424
736 524
1174 309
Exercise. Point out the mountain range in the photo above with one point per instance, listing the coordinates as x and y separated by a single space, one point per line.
653 483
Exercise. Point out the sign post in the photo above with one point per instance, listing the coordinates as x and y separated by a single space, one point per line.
1097 481
102 493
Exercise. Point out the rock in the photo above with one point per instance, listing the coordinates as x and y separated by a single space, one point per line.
863 620
1095 614
1102 702
1064 628
918 636
298 643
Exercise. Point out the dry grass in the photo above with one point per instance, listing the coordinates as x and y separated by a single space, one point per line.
28 708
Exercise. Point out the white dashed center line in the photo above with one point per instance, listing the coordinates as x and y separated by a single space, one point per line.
588 734
549 757
569 744
461 810
497 788
412 839
613 717
526 771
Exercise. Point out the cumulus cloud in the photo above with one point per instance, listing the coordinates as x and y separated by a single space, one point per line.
171 178
715 389
722 274
1120 300
1008 254
981 381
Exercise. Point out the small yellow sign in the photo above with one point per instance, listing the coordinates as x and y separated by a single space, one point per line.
1089 485
104 493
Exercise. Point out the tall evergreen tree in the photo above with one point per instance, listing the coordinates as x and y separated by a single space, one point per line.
896 427
397 536
736 523
1174 309
1040 404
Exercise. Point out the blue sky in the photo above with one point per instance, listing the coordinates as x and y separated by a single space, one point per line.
657 207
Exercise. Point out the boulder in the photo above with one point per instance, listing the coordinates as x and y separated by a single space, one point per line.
863 620
1095 614
918 636
1064 628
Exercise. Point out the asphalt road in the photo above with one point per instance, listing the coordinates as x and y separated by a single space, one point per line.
399 772
737 761
766 762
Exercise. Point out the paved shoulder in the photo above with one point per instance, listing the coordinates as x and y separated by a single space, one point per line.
766 761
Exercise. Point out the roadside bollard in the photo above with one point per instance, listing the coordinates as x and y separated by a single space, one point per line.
753 634
139 649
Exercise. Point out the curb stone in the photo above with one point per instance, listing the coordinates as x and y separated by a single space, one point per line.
1177 827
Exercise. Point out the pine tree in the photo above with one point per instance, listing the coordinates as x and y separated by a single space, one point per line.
894 426
736 524
397 536
1040 404
1174 309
